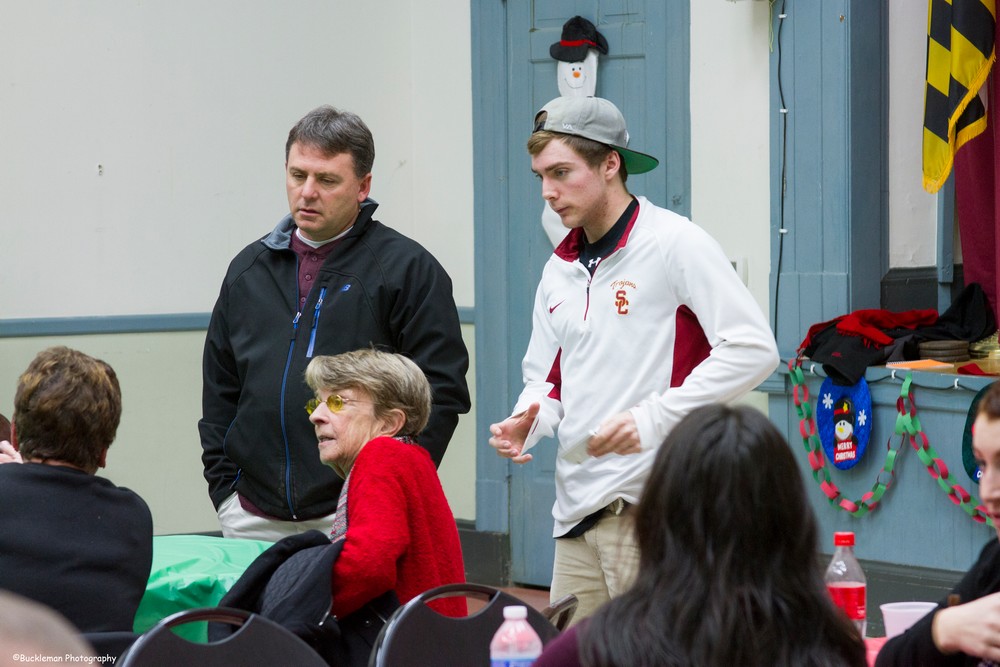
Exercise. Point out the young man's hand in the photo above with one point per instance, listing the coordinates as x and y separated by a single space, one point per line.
507 437
617 435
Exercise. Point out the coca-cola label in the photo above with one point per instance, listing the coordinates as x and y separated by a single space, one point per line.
850 597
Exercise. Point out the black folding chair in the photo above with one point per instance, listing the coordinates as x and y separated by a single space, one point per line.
417 636
258 641
111 643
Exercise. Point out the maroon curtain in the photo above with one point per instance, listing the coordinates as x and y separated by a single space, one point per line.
977 191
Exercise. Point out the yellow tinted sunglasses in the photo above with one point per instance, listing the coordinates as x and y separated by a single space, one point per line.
335 402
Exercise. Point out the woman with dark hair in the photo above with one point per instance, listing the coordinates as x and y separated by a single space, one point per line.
728 571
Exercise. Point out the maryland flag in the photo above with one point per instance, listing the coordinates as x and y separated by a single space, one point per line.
960 55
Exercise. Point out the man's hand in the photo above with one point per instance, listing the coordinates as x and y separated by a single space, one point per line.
507 437
617 435
972 628
8 454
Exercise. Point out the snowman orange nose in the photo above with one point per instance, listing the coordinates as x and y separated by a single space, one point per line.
576 75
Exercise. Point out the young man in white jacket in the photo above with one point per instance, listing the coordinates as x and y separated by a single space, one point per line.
639 318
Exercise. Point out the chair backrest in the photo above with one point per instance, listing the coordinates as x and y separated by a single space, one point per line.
417 635
257 642
560 612
110 643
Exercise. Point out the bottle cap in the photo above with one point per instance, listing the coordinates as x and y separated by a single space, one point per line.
843 539
515 611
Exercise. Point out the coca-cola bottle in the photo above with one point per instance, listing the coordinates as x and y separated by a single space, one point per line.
846 580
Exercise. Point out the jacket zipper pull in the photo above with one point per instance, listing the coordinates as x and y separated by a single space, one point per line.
295 323
315 323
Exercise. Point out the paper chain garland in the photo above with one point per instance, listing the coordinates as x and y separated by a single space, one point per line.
907 426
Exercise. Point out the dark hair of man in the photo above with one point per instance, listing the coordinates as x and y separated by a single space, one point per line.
592 152
4 428
67 408
333 132
989 404
728 568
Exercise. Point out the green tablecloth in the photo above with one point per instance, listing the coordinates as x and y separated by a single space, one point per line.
192 571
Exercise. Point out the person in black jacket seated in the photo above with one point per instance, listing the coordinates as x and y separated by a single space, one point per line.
966 631
68 538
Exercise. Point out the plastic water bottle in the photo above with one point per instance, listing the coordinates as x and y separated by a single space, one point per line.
515 644
846 581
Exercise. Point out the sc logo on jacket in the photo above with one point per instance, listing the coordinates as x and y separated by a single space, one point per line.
621 295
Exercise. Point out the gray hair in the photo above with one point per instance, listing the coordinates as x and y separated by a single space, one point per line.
391 380
333 131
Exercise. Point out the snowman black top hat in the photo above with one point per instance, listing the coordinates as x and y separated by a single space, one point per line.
578 35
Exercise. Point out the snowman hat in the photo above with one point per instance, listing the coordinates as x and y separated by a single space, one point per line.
596 119
578 35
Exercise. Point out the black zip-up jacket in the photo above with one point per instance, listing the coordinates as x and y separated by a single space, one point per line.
915 647
377 288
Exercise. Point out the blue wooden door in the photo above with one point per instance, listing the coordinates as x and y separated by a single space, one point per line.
638 75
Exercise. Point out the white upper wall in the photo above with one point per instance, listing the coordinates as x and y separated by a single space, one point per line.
912 212
186 105
127 126
730 142
730 150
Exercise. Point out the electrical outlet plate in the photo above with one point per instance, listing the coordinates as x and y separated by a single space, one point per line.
740 266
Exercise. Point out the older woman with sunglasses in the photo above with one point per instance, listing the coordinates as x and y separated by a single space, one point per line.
399 532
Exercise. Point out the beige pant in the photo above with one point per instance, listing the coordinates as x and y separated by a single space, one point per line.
237 522
598 565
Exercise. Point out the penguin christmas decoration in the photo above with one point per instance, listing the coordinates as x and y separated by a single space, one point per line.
843 419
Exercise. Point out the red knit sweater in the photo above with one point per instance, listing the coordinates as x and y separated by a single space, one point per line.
401 533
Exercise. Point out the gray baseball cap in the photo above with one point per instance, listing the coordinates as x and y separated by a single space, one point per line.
596 119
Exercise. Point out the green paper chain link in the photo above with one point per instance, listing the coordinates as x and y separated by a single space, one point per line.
807 429
907 427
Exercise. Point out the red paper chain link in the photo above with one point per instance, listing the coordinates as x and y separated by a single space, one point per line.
817 462
907 426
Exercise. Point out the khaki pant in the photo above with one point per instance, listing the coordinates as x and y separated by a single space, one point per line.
237 522
598 565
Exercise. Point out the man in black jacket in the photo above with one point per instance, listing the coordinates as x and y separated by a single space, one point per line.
328 279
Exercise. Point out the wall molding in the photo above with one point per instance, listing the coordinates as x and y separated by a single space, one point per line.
889 582
103 325
486 554
128 324
918 287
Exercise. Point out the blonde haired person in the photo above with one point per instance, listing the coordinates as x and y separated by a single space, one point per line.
31 632
399 532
